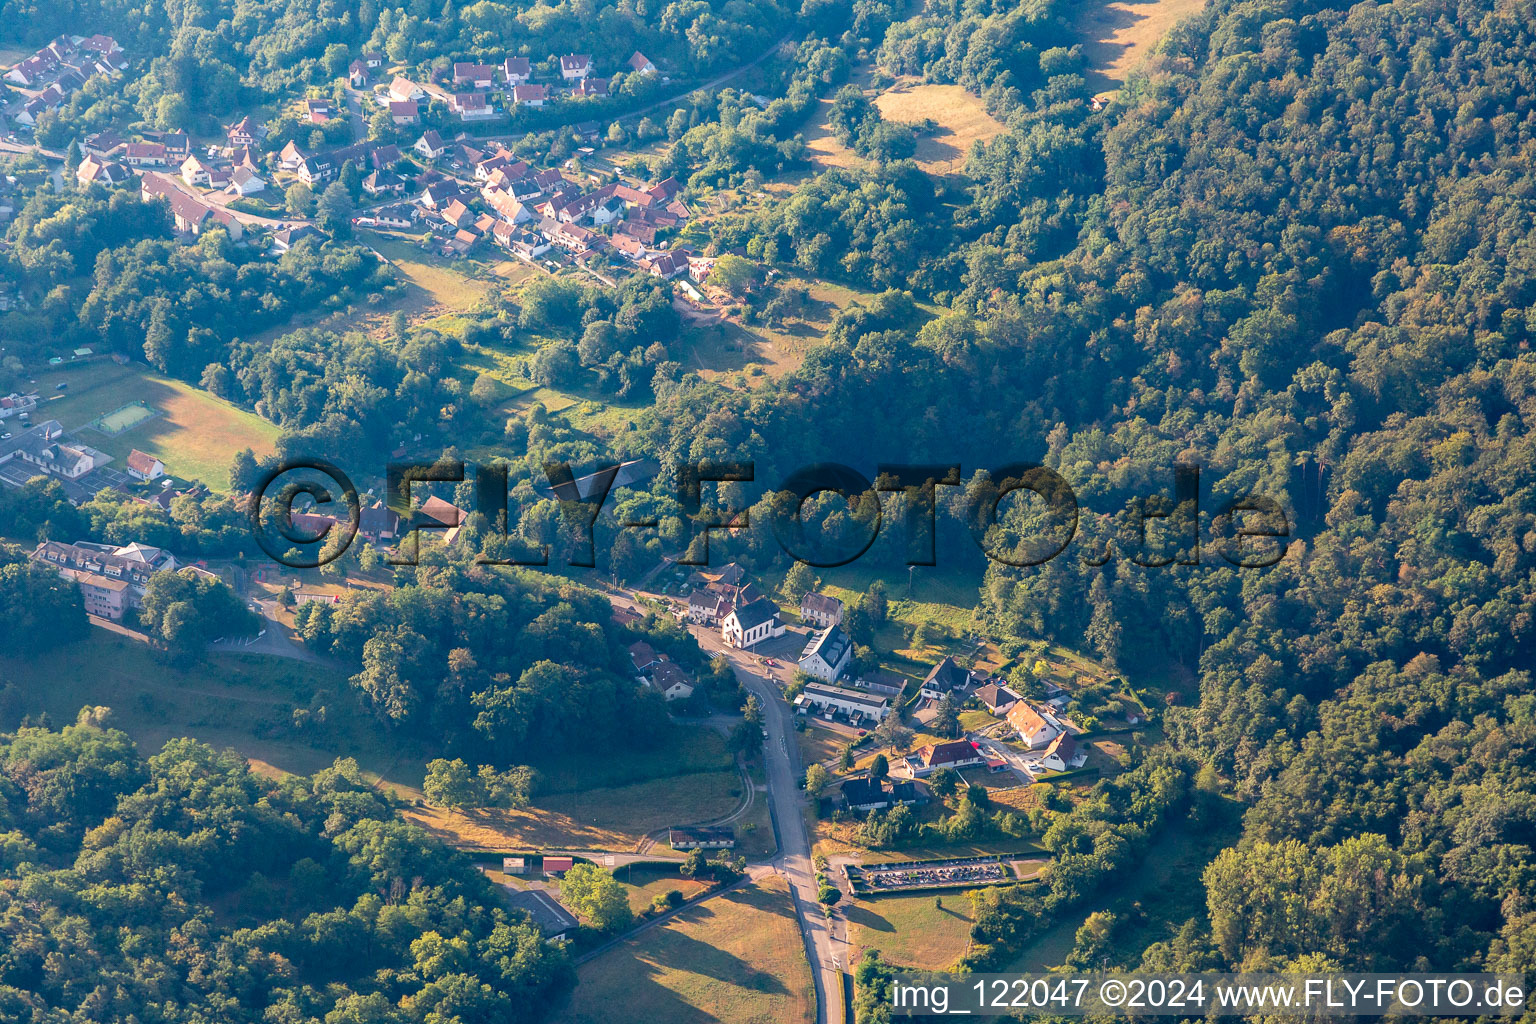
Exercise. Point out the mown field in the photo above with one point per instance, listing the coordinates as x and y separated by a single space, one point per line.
1118 35
961 117
925 932
194 433
736 959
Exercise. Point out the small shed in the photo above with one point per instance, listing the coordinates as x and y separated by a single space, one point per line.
514 866
558 865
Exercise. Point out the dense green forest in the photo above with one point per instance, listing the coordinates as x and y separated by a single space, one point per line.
180 887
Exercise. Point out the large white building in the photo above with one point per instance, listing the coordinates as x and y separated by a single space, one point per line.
855 705
827 655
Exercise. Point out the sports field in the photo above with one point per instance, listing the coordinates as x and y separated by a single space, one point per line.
194 434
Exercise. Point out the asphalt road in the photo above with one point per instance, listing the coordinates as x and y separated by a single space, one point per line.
825 939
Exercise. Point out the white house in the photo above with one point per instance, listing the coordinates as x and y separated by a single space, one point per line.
673 682
640 64
706 607
946 677
827 655
752 624
575 66
854 704
1035 728
954 755
820 610
143 466
1063 753
431 145
244 182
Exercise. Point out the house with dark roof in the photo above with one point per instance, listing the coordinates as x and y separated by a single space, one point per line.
1064 753
672 681
827 654
820 610
954 755
553 921
431 145
575 66
751 624
831 701
995 698
701 838
946 677
516 70
870 794
643 656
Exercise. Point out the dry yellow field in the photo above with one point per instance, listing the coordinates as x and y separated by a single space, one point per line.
960 115
736 959
1117 36
596 819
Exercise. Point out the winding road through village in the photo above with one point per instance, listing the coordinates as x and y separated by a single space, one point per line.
825 936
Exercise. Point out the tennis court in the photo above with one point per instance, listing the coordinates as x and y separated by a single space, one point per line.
125 418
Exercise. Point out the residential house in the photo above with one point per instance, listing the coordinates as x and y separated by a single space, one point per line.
701 838
529 95
706 607
404 89
143 466
373 60
103 143
245 182
827 654
946 677
378 522
858 707
191 215
672 681
399 216
630 248
194 172
664 265
592 88
1064 753
384 183
877 794
144 154
357 74
996 699
507 208
290 157
439 193
527 245
16 404
1036 729
431 145
457 214
286 238
575 66
471 106
752 624
516 70
385 156
820 610
437 514
643 656
476 76
404 111
102 172
955 754
640 64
